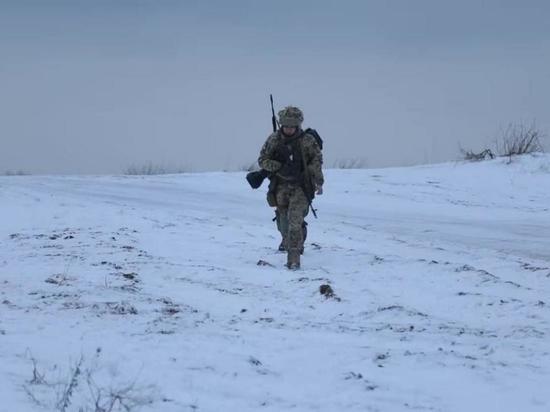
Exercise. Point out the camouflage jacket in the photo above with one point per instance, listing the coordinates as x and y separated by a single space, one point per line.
270 161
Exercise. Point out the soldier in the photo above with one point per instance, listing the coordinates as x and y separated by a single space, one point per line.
295 159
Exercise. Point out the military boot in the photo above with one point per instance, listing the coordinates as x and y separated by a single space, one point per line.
293 259
282 246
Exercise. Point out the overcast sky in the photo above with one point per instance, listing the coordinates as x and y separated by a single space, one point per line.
96 86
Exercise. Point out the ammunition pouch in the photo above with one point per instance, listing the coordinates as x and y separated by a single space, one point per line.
272 193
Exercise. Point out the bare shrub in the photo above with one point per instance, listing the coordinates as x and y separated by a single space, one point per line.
16 173
126 397
518 139
38 378
471 156
67 389
353 163
80 390
150 169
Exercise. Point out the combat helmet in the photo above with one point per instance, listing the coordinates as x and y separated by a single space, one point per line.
291 116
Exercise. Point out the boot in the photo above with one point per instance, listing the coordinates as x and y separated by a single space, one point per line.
293 259
282 246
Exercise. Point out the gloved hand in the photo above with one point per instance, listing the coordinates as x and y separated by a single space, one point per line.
318 189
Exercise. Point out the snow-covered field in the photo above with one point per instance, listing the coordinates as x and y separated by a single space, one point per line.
151 285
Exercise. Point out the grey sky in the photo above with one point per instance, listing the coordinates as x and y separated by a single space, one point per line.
95 86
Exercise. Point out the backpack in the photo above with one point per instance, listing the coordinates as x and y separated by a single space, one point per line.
314 133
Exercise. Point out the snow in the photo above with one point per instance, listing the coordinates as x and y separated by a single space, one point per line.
441 275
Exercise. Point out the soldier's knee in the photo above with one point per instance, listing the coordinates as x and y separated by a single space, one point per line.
296 215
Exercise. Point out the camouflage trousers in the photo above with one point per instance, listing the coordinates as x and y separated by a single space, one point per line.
292 207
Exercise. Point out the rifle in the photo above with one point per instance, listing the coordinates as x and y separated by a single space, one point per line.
255 179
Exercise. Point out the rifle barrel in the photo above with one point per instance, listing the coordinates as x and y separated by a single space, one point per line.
273 118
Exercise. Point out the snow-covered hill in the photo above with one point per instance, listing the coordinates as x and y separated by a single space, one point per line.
151 286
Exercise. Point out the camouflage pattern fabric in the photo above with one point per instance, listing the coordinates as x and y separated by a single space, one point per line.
291 116
292 205
314 157
283 227
291 201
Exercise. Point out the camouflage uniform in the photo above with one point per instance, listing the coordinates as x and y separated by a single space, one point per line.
284 156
